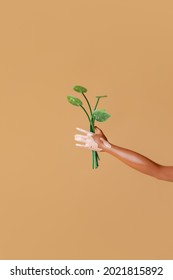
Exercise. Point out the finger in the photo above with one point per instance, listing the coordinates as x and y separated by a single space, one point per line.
85 131
80 138
81 146
86 145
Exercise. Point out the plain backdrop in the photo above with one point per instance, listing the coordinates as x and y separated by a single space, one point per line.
52 204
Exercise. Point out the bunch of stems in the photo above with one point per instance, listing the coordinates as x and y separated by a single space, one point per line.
95 156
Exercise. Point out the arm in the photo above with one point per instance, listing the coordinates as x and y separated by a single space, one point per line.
141 163
133 159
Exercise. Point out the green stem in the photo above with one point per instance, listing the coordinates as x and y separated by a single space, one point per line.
86 113
98 99
87 103
92 129
95 156
90 120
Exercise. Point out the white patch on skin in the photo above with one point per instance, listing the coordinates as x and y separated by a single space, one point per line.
105 143
88 142
88 133
129 157
92 145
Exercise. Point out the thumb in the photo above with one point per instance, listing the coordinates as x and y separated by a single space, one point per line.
97 130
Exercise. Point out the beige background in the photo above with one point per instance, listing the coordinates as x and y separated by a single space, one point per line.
52 204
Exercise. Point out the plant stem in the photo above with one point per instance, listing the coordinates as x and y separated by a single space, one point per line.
98 99
86 113
95 156
87 103
90 120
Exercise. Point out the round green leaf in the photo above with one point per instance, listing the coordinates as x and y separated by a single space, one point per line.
101 115
80 89
74 101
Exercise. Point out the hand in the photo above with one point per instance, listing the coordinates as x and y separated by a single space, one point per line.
93 141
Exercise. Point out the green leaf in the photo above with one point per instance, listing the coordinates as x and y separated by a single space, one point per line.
74 101
101 96
80 89
101 115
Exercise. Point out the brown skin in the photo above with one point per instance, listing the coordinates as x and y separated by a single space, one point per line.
134 160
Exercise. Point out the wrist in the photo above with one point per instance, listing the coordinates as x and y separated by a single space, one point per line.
106 145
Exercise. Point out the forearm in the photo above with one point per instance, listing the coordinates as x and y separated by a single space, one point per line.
135 160
99 142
